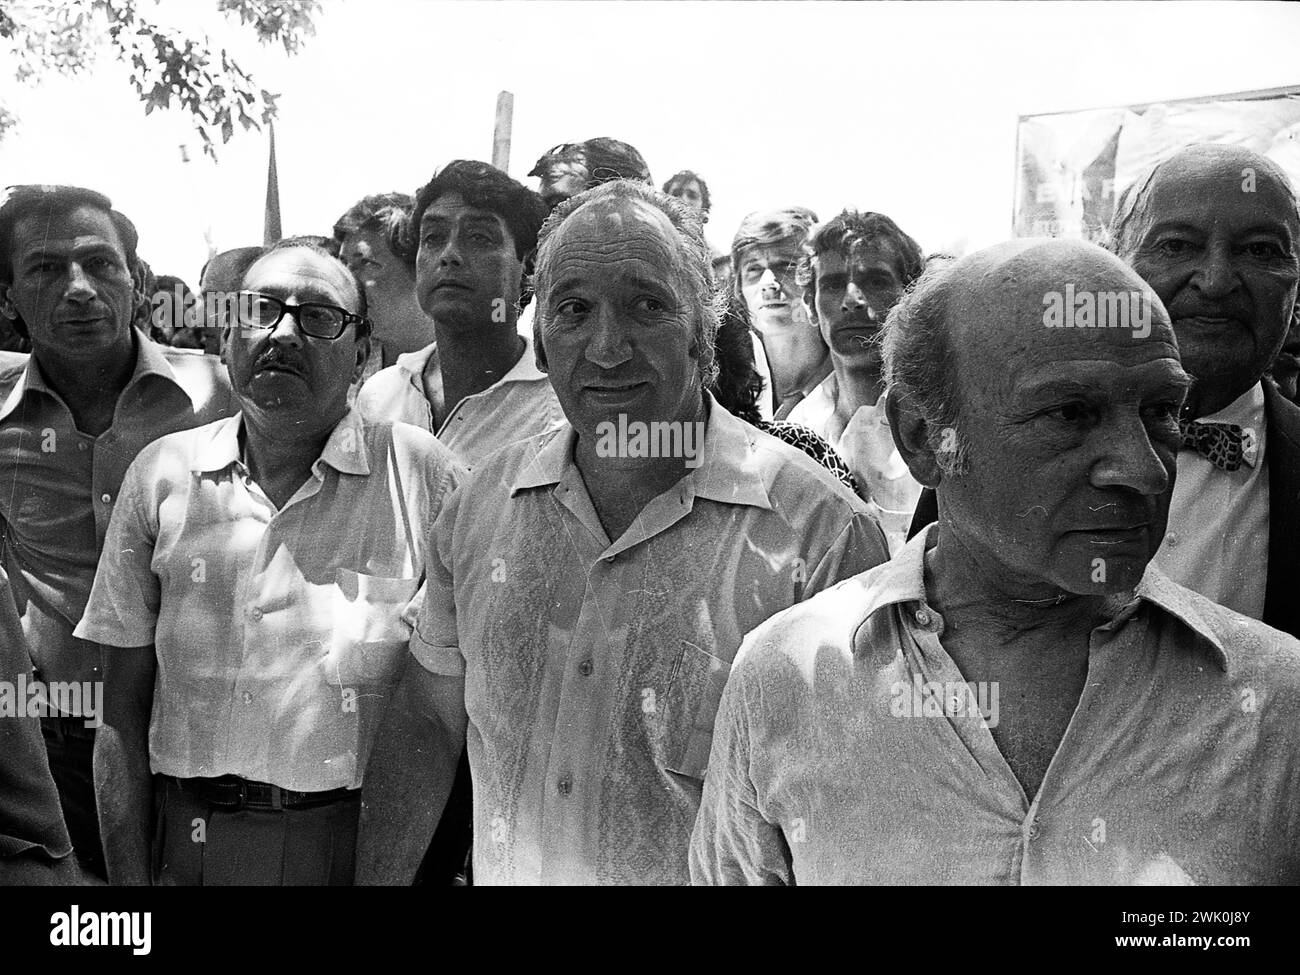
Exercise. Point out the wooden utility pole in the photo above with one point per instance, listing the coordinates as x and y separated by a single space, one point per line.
501 135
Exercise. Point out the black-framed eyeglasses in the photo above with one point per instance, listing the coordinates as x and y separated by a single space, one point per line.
315 318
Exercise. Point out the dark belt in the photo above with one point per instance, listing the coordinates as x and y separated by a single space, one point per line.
232 792
59 727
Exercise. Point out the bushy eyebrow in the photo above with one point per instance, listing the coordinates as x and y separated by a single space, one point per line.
1050 388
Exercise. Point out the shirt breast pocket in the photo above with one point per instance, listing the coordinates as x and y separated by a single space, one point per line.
369 632
690 706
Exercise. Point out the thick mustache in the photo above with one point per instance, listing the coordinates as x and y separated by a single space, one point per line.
278 361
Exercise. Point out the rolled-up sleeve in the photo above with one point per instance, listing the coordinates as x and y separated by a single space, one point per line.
733 844
435 643
124 601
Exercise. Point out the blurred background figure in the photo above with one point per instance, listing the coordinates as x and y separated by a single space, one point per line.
220 278
173 313
765 255
690 188
572 167
364 235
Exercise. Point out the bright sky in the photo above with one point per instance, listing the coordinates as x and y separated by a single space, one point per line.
909 109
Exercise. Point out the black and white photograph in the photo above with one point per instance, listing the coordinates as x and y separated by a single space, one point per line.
621 443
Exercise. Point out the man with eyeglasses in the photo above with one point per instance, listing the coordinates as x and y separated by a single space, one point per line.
255 601
73 415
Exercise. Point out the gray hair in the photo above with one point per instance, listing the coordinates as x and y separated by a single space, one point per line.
696 261
918 362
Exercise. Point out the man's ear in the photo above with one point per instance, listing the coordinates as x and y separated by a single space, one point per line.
912 437
539 350
363 355
6 306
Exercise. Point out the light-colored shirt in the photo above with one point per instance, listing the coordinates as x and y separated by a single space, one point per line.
277 632
519 405
817 412
1217 539
58 486
849 750
593 669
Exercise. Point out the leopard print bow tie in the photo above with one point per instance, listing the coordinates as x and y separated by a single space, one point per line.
1219 443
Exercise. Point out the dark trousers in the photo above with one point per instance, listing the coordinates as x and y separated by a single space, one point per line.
69 744
200 844
446 862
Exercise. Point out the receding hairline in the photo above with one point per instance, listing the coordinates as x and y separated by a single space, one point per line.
326 259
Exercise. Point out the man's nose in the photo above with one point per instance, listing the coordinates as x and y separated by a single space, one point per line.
286 332
1215 274
1129 459
854 299
770 283
608 346
80 285
450 254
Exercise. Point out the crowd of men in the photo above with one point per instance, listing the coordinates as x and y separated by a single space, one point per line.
512 536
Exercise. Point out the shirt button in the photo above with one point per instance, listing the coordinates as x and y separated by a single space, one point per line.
1171 539
248 697
922 617
1033 828
81 447
564 786
585 668
106 498
255 613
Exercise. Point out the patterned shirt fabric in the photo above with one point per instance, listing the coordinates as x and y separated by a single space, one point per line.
30 816
830 766
1217 539
278 633
59 486
519 405
593 669
812 445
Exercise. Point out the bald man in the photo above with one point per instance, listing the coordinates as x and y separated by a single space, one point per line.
1020 696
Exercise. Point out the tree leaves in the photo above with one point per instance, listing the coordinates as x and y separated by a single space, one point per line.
65 37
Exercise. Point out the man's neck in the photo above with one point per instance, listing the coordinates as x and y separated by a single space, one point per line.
855 387
91 390
278 463
472 360
621 487
797 358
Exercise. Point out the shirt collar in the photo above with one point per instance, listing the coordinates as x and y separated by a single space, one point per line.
345 450
149 361
902 580
1247 412
413 364
733 470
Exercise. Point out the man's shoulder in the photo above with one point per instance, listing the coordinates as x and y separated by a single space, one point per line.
1250 646
172 457
410 443
204 379
797 639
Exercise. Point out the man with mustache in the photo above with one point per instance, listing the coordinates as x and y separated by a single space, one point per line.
856 268
765 255
94 391
1020 696
469 241
587 595
255 601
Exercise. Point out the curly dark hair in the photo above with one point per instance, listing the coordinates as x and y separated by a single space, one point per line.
380 212
739 383
486 188
689 176
852 229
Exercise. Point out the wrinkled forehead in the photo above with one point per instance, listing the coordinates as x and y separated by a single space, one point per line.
81 226
1221 184
617 228
304 274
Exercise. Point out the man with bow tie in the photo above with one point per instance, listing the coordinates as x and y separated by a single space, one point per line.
1215 231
